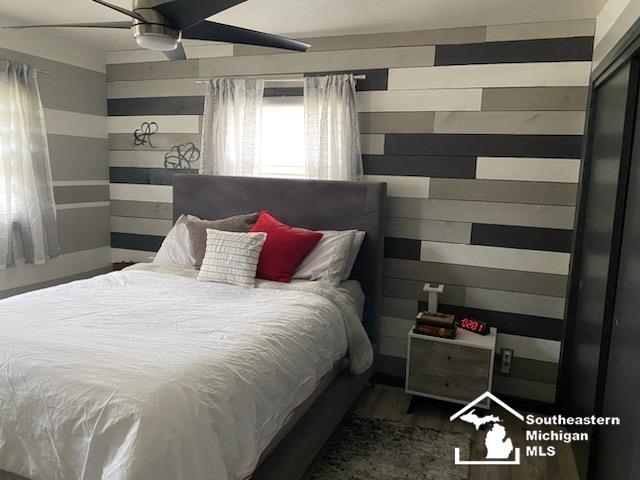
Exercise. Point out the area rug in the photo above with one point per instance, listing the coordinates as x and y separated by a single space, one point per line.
365 448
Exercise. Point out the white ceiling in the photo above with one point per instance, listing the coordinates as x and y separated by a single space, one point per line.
304 18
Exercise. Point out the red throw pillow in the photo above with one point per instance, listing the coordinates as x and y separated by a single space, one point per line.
284 249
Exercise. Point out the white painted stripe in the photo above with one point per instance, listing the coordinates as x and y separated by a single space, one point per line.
372 143
542 74
71 206
193 51
124 255
420 100
139 158
495 257
155 88
78 183
141 226
166 123
399 186
141 193
393 347
531 348
528 169
62 266
60 122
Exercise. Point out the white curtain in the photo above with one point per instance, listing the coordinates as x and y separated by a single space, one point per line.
28 229
331 128
231 127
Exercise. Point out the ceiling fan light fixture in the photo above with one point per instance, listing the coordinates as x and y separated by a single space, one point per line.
157 41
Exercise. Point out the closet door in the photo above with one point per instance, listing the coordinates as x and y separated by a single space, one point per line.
612 109
620 460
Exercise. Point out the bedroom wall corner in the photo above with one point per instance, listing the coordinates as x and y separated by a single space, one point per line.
478 133
74 98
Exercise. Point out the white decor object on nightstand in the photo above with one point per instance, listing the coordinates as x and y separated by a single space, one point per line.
455 370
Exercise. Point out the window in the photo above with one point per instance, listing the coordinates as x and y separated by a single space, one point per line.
282 137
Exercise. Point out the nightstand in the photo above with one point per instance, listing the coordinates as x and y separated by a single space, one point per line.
454 370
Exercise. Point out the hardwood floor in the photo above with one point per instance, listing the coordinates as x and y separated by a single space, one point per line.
391 403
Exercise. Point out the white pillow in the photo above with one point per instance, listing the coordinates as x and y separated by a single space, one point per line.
232 257
355 249
176 247
329 258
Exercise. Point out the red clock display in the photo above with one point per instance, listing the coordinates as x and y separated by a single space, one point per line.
475 326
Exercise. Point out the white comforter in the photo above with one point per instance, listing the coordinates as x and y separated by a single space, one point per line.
141 375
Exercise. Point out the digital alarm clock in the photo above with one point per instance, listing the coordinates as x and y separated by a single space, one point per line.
475 326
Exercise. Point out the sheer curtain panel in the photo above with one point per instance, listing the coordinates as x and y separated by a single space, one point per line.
28 229
331 128
231 127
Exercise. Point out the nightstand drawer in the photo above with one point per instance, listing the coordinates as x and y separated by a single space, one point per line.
448 370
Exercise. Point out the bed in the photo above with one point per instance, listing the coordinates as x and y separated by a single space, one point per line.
147 373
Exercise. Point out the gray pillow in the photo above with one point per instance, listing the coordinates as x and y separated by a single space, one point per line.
197 229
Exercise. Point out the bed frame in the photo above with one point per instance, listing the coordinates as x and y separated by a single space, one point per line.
316 205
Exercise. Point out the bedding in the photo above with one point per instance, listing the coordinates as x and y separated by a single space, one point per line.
149 374
327 262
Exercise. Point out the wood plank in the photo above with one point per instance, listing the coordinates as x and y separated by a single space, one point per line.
531 122
434 230
543 74
471 276
535 98
401 186
434 166
559 29
420 100
396 122
528 169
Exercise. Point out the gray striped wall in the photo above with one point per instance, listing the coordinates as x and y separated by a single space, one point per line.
74 99
478 133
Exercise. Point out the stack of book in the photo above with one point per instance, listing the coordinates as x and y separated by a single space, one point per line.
435 324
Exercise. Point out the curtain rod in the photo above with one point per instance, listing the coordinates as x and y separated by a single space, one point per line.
276 79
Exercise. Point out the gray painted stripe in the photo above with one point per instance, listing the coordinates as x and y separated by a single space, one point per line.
78 158
50 283
318 61
379 40
399 308
396 122
480 298
524 31
66 87
161 141
437 231
125 208
83 229
186 105
535 98
81 193
527 369
526 215
152 70
531 122
480 277
141 226
504 191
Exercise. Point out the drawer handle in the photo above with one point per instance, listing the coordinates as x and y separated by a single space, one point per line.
448 357
446 384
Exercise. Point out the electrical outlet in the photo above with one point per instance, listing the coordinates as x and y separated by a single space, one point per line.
506 355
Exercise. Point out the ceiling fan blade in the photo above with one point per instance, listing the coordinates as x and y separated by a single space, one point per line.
131 14
124 25
184 13
219 32
177 54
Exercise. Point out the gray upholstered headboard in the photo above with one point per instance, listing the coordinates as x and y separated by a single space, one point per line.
315 204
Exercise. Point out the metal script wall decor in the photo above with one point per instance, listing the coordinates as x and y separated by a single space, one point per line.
181 157
142 135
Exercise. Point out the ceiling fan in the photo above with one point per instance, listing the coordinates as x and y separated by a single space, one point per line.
162 25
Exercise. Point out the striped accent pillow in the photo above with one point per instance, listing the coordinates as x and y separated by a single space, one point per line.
231 257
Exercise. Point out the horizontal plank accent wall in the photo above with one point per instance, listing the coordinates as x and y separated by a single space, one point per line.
477 132
75 107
